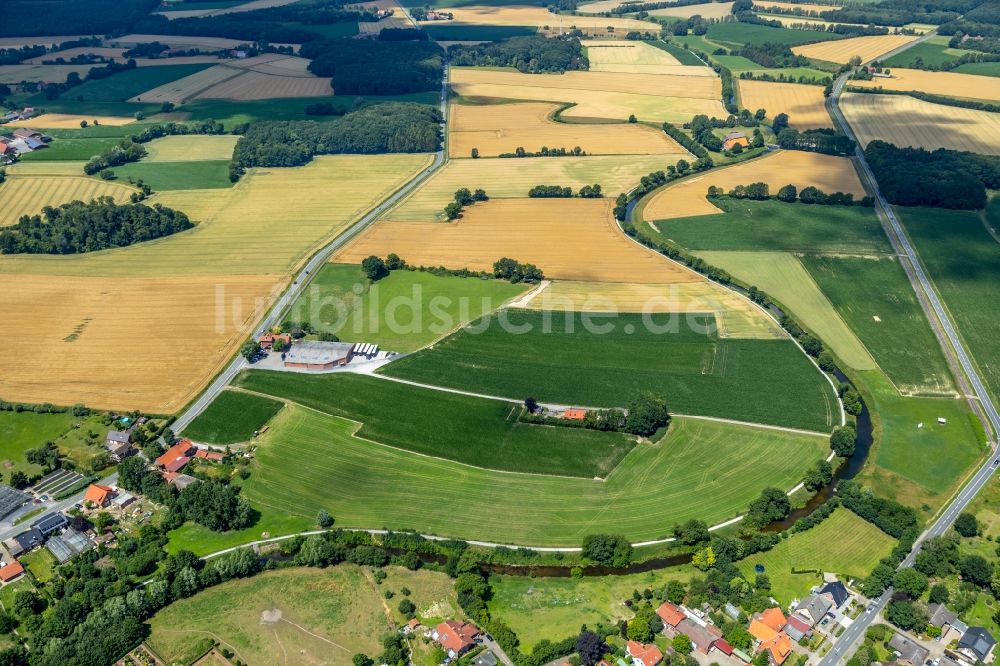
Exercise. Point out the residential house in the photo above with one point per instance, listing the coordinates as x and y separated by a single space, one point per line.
27 133
734 139
178 480
642 654
98 496
797 628
119 444
211 456
26 113
455 637
813 609
977 645
670 614
26 541
9 116
176 456
10 571
768 629
50 522
268 339
574 414
941 617
836 592
703 636
910 652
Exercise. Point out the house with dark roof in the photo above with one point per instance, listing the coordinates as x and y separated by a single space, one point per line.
940 616
836 592
118 444
977 644
909 651
814 608
27 541
50 522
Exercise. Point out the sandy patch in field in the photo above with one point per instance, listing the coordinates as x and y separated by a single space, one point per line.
951 84
804 104
569 239
600 95
501 128
709 10
687 198
28 195
842 50
512 178
735 316
68 121
907 121
91 338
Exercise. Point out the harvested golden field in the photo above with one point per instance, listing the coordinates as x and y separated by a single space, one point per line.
512 178
28 195
804 104
602 6
541 17
950 84
18 42
27 72
40 168
273 63
600 95
179 60
183 89
842 50
774 4
636 58
254 85
569 239
688 197
90 337
68 121
907 121
102 51
191 148
709 10
736 316
501 128
268 223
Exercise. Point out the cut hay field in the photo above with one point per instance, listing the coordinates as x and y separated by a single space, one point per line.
783 277
842 50
57 168
602 6
28 195
710 10
774 4
514 177
309 461
325 615
67 54
450 428
401 312
540 17
501 128
735 316
191 148
600 95
637 58
802 169
951 84
69 121
24 72
232 418
254 85
606 360
804 104
52 40
180 90
569 239
231 262
843 544
907 121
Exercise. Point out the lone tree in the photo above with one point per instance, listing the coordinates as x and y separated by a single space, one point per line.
590 646
531 405
843 440
967 525
374 268
323 519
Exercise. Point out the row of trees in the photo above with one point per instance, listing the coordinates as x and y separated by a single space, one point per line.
534 54
556 191
395 127
544 151
463 197
789 194
514 271
87 227
123 152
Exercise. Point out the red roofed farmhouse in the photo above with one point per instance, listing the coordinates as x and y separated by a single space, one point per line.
176 456
455 637
98 495
643 655
670 614
11 571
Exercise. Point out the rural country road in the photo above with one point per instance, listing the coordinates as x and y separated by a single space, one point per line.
302 280
939 318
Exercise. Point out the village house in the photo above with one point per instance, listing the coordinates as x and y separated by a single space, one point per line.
176 456
11 571
178 480
671 616
910 652
211 456
25 542
836 592
977 644
797 628
268 339
455 637
118 444
734 139
574 414
703 636
98 496
49 523
813 609
768 630
643 655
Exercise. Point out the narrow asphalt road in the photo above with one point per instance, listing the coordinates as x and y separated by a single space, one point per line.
944 327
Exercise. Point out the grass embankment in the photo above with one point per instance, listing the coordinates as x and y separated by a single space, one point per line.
402 312
843 544
232 417
474 431
309 461
605 360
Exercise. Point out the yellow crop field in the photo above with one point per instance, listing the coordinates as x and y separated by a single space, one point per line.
541 17
187 87
804 104
907 121
82 325
501 128
633 57
512 178
602 6
774 4
951 84
255 85
68 121
600 95
736 316
28 195
26 72
569 239
842 50
709 10
102 51
196 293
191 148
688 197
40 168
